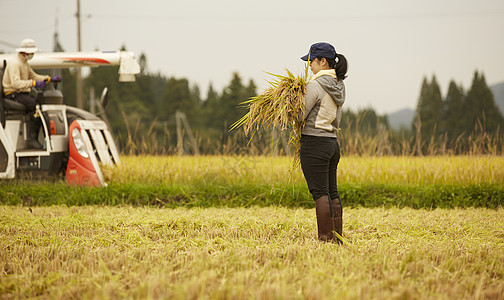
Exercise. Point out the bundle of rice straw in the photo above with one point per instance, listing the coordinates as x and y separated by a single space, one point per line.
281 105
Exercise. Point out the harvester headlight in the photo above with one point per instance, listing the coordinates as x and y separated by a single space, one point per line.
79 143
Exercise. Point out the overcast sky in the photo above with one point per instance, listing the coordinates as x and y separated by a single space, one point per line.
391 45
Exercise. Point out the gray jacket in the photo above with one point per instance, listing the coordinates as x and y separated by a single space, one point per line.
323 105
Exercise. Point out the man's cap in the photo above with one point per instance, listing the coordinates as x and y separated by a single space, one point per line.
28 46
320 50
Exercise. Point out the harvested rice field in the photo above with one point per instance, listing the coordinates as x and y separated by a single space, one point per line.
60 252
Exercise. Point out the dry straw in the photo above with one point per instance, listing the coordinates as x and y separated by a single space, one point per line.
281 105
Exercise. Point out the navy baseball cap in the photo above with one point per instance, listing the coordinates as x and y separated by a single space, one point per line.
320 50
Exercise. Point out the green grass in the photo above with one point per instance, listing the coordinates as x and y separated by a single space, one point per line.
233 181
85 252
244 195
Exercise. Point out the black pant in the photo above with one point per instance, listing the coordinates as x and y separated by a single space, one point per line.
319 161
30 103
24 98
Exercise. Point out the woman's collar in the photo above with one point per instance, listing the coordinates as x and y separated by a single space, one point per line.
328 72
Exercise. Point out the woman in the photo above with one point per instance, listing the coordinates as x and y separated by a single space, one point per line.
320 152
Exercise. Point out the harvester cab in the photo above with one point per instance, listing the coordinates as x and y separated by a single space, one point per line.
76 143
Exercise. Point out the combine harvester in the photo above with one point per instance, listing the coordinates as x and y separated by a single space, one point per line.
76 142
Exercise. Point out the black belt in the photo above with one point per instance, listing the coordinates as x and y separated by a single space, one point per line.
14 95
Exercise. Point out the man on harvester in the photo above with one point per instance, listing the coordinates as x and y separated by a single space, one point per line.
18 79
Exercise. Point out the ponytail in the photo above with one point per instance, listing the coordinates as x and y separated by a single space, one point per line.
341 67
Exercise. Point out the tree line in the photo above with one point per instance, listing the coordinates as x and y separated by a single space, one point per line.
144 117
143 114
458 119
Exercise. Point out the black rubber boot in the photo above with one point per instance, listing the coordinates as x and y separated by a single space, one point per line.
325 220
338 218
33 142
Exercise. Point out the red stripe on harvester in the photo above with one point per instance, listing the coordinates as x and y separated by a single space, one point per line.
84 59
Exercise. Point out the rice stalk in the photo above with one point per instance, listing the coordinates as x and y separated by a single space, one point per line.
281 105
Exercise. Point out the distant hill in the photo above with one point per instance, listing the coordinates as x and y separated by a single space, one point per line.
404 117
401 119
498 91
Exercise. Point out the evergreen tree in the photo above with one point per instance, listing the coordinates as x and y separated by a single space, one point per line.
68 86
177 96
455 99
226 109
480 107
212 95
157 84
221 111
146 94
102 77
210 106
421 104
197 120
430 110
210 133
229 105
251 90
125 109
